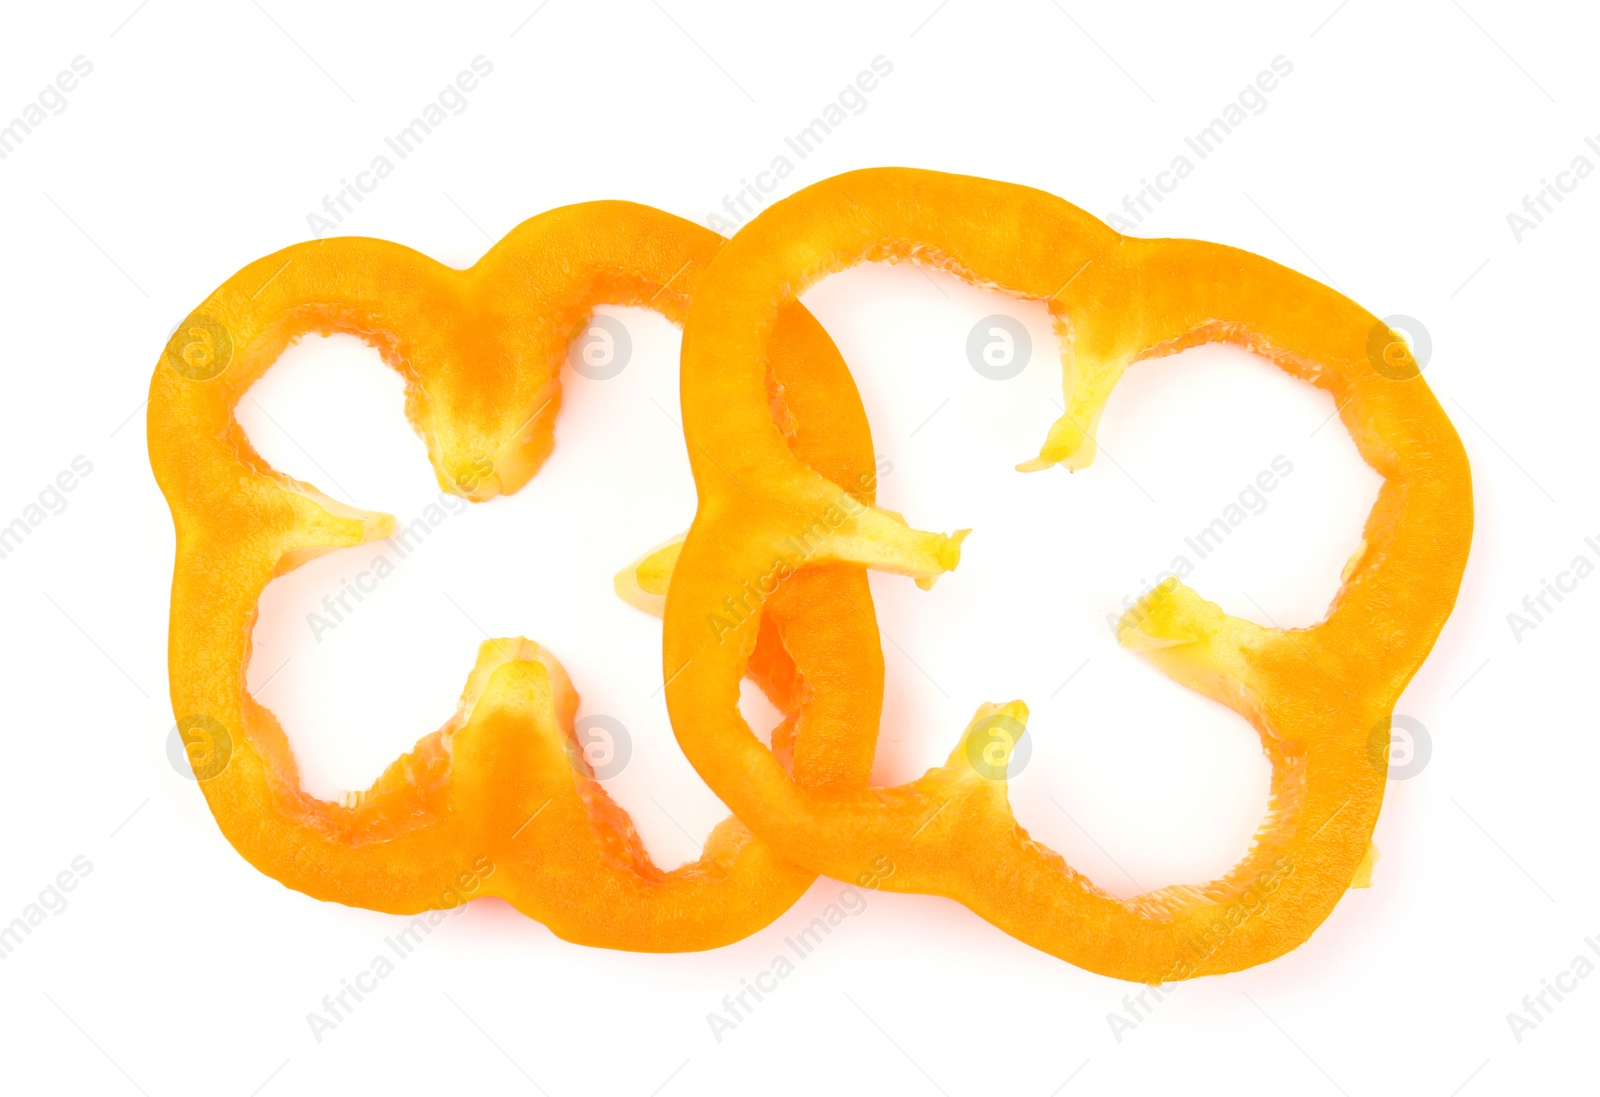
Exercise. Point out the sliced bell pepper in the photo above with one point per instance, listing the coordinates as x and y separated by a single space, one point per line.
497 801
1312 694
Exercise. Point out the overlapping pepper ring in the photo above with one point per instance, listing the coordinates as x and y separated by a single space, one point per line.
1313 694
496 802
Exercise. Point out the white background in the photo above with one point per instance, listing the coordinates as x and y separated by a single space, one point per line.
1386 164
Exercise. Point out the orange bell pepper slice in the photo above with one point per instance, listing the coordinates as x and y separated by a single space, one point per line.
1313 694
497 801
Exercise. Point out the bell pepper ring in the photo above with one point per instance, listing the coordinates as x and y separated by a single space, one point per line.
500 800
1312 694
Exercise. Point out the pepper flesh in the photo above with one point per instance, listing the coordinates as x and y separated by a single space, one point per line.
501 784
1312 694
